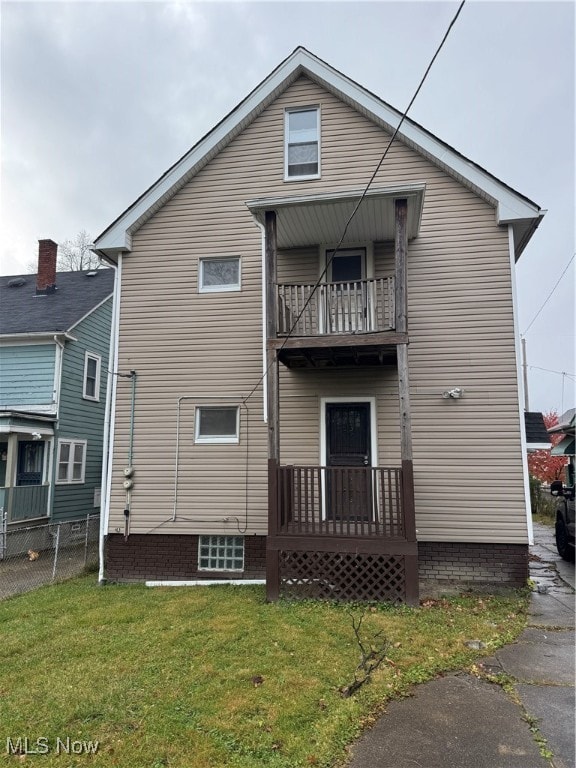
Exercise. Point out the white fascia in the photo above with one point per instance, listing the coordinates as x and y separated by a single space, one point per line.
520 385
510 205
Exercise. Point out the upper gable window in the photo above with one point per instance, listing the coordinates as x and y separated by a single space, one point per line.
219 275
302 143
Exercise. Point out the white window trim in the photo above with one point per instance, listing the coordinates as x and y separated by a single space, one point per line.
324 401
215 439
287 112
69 480
226 287
92 356
215 569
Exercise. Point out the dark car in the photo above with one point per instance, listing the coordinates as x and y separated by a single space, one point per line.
564 518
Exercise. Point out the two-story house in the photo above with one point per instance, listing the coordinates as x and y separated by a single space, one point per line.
325 374
54 349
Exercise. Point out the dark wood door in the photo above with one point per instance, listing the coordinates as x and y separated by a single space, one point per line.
348 457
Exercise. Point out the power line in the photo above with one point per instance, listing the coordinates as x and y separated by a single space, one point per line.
548 370
550 294
361 199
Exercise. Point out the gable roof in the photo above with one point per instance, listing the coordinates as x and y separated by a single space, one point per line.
511 207
536 432
77 294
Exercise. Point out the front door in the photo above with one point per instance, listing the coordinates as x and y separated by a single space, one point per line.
30 462
348 458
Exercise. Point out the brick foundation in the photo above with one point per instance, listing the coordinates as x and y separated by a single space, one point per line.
443 567
452 566
172 557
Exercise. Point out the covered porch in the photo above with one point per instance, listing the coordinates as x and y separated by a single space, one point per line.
25 465
343 528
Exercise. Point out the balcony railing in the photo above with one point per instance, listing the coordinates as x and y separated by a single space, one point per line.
360 306
338 501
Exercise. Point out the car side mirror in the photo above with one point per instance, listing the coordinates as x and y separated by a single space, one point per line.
556 488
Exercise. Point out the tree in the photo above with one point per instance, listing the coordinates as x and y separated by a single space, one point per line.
541 464
74 255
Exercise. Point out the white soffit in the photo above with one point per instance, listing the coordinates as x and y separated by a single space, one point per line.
510 206
313 219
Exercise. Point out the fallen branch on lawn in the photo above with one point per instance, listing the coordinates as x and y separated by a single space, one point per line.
372 656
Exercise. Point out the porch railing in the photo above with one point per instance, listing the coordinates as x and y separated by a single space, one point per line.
338 501
25 502
354 307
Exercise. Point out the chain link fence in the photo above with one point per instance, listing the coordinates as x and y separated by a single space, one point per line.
44 554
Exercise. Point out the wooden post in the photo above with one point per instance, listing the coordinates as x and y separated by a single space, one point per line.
273 387
401 321
272 553
400 255
273 401
400 252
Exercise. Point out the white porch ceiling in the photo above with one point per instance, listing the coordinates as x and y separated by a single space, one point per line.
313 219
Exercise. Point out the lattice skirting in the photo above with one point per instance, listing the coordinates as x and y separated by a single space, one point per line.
343 576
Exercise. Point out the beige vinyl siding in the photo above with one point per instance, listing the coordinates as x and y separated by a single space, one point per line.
467 453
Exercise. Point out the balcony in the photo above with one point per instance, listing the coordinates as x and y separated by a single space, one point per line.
362 306
337 324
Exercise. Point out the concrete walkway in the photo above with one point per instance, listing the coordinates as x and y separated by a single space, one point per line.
460 721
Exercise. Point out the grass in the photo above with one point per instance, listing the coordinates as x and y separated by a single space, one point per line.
215 677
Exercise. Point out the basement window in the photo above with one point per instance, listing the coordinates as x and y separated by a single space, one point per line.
221 553
217 424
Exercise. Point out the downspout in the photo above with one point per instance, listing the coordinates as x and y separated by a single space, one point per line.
51 464
109 419
529 526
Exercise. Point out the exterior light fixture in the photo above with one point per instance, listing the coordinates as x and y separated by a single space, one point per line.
455 393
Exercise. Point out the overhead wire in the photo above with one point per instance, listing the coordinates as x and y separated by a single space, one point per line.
360 199
549 295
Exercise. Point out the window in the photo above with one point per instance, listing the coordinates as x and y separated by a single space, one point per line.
217 424
302 143
221 553
91 376
219 274
71 462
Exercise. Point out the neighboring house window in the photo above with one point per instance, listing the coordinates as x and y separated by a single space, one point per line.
91 376
302 143
71 463
217 424
219 274
221 553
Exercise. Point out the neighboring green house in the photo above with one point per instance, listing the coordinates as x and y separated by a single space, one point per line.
54 348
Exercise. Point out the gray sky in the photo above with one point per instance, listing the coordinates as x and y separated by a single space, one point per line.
99 99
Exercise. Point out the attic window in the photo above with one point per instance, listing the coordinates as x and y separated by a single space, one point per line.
302 143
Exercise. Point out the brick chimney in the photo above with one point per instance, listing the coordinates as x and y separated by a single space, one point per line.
46 277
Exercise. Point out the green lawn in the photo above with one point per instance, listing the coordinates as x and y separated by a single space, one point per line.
214 676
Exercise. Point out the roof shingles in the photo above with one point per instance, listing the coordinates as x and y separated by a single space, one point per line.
76 294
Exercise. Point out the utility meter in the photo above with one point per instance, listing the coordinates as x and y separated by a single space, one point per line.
127 484
129 471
